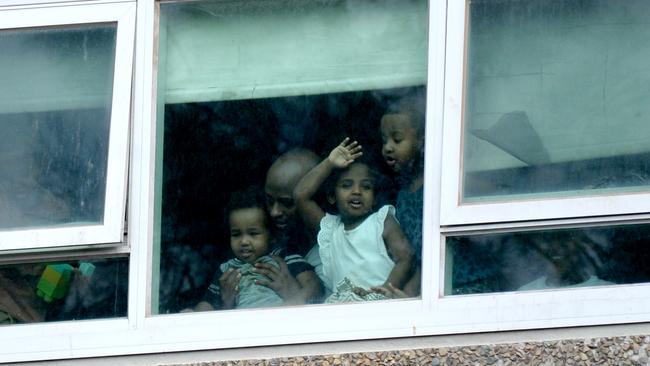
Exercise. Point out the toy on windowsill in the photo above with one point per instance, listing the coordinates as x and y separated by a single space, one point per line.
55 280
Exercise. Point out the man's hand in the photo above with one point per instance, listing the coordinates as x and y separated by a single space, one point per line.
279 280
229 286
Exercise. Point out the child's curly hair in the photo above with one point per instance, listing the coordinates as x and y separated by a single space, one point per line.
381 182
249 197
413 105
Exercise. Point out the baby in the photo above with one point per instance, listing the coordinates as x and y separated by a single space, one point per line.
238 283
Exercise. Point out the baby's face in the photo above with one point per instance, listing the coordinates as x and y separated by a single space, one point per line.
401 144
249 234
355 194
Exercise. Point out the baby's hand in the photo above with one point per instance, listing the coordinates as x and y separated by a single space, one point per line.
345 154
229 286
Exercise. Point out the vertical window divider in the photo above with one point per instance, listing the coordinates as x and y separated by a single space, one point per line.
141 202
432 254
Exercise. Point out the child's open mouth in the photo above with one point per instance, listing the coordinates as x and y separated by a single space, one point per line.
356 204
390 161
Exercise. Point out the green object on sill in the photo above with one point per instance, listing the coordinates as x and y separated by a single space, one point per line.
54 282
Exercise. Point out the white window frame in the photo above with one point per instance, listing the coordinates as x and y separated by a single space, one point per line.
39 3
453 211
111 230
531 309
433 314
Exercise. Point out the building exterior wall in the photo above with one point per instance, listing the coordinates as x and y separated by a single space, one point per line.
599 345
141 337
590 351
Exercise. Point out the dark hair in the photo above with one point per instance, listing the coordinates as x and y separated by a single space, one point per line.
413 105
250 197
381 182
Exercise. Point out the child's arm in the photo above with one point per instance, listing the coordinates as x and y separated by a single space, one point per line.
400 250
311 288
412 286
342 156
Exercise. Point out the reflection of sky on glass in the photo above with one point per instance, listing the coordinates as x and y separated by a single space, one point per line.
46 69
55 103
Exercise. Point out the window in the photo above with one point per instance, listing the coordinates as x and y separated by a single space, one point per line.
544 173
534 206
65 113
57 290
553 112
243 86
546 259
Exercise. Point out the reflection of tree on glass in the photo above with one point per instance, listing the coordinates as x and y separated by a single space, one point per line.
238 283
53 168
23 199
357 245
571 258
547 259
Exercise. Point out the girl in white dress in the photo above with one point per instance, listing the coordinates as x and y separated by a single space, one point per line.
357 245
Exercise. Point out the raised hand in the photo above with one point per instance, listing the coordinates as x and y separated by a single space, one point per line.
345 154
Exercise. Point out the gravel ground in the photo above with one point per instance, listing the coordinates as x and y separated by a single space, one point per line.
632 350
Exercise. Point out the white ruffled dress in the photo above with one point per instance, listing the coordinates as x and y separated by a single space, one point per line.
359 254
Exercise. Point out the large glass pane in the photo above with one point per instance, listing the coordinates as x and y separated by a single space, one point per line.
539 260
556 99
252 97
66 290
55 104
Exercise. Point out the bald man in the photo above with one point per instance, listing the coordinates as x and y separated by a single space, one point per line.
281 178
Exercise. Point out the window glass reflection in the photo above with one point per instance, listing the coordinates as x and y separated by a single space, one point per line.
555 99
55 103
541 260
56 291
252 97
229 190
